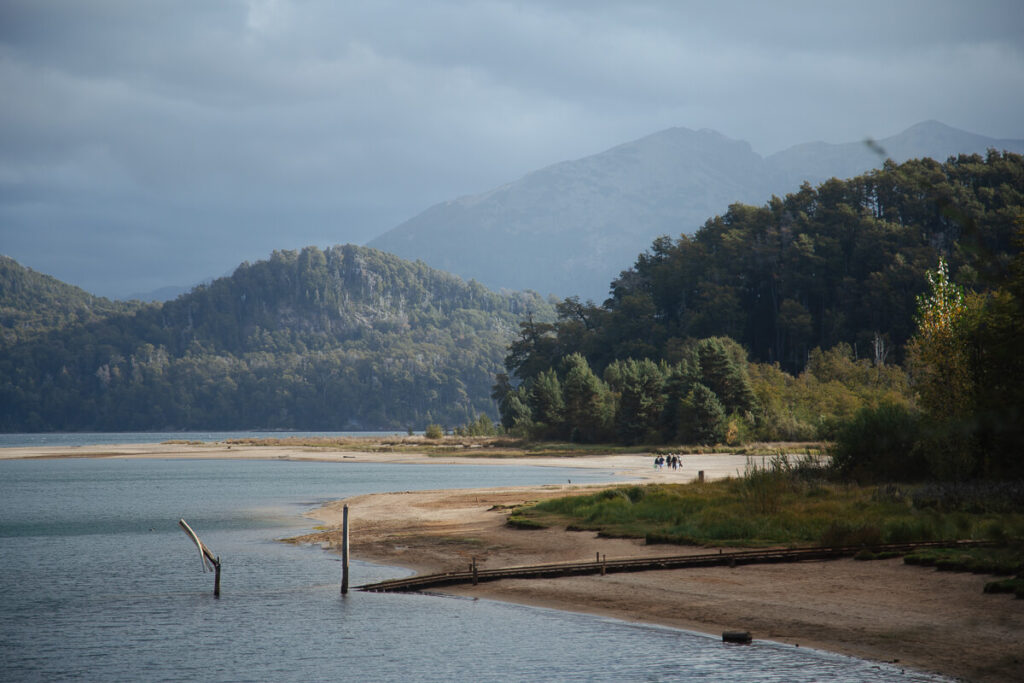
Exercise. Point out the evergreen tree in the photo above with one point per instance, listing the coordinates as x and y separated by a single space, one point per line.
547 404
588 409
640 388
723 370
701 417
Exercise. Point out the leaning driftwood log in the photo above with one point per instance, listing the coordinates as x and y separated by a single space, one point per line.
206 556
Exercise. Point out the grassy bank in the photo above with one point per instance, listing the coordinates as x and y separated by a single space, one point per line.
767 508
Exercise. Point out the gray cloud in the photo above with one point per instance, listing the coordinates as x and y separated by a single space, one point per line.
152 143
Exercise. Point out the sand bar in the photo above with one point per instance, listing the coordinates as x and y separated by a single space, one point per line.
636 467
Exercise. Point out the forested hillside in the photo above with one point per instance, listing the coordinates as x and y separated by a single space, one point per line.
824 287
347 338
842 262
32 303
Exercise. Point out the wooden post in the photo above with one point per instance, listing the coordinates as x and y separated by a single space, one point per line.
475 576
216 578
604 564
598 556
700 476
344 550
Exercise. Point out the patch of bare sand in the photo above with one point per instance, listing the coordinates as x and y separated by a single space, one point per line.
632 466
883 610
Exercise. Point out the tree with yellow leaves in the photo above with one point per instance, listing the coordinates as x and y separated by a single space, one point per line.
938 357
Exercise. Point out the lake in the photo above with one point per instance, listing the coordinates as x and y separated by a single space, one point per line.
97 582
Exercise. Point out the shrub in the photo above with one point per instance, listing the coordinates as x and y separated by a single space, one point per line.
979 496
434 431
481 426
908 530
1015 586
841 533
518 522
880 444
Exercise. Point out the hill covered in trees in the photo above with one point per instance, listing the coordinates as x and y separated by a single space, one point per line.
843 267
32 303
839 263
343 338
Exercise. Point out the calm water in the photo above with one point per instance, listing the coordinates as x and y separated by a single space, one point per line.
98 583
106 438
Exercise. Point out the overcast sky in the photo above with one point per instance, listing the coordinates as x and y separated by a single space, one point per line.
145 144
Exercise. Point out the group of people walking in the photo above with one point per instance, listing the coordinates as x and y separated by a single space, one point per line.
671 460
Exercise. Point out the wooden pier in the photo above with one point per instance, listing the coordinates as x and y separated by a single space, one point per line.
603 566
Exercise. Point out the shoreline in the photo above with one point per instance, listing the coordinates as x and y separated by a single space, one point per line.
883 611
632 467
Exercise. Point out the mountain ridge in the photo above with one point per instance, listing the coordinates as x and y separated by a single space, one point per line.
568 228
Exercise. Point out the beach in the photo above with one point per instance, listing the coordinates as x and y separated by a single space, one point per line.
881 610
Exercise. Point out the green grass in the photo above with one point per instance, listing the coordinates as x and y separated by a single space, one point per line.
1003 560
520 522
1015 586
767 507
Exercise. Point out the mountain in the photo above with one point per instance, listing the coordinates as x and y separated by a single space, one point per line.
570 228
344 338
33 303
818 161
160 294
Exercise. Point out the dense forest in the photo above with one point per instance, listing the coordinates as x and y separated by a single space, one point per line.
32 304
842 262
831 292
343 338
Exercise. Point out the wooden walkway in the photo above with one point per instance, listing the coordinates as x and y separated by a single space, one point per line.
719 559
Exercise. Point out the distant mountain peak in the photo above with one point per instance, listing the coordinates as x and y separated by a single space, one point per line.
571 227
931 124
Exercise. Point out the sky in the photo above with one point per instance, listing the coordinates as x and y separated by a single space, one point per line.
146 144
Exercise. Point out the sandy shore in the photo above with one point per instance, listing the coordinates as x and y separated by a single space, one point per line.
885 611
629 467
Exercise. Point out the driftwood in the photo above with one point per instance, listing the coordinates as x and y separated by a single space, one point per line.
738 637
206 556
